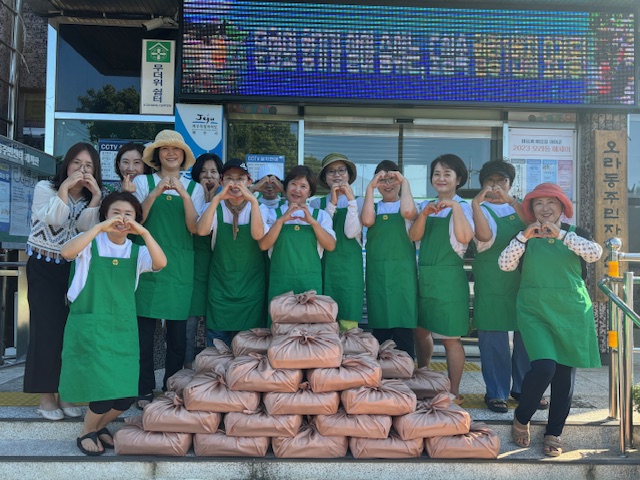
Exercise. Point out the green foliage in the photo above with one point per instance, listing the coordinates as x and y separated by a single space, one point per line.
636 397
263 138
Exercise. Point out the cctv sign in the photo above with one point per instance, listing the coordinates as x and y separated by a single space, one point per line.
157 82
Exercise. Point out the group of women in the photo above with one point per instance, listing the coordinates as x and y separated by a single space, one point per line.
231 245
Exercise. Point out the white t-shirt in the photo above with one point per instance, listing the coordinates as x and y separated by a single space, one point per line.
458 247
106 248
390 208
142 190
501 210
326 222
244 217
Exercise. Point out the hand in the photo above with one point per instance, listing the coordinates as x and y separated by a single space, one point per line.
376 180
260 185
335 192
177 185
90 183
246 193
210 188
162 186
128 185
533 231
348 191
549 230
134 227
442 204
293 207
277 184
72 180
307 214
113 224
431 207
225 193
395 176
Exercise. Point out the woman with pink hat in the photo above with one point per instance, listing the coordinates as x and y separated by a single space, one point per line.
554 311
170 207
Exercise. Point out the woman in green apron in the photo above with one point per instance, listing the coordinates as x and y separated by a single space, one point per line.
206 172
342 270
170 207
297 237
100 356
236 298
391 281
444 229
554 311
497 217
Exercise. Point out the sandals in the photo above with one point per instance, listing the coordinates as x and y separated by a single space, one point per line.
143 401
543 405
496 405
93 436
520 434
105 431
458 399
552 446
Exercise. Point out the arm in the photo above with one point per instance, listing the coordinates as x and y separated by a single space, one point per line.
368 215
269 239
482 227
257 227
352 224
417 228
326 239
73 247
190 213
47 205
462 227
407 204
586 249
158 257
148 200
205 223
510 256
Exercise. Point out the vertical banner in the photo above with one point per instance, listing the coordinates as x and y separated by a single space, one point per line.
610 192
157 77
542 155
201 127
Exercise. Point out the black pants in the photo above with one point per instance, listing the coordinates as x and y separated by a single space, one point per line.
542 374
176 339
402 336
104 406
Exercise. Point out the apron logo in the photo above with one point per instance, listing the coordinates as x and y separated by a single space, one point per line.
115 261
296 228
552 240
385 217
512 217
169 197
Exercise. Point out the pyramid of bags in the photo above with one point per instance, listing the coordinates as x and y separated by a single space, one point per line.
307 391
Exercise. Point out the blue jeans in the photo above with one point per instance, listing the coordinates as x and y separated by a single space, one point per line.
499 365
224 335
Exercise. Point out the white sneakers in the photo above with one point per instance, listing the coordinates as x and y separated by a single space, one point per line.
60 413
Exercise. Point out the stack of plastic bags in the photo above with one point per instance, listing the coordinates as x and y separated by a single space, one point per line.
308 392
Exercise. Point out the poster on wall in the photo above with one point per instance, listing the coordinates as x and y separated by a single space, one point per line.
22 184
542 155
201 127
157 77
254 162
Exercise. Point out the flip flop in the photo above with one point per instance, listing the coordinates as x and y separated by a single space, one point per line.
552 446
105 431
91 436
496 405
520 433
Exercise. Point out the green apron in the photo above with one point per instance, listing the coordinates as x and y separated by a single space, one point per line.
554 310
100 355
202 258
391 274
237 287
295 263
342 270
167 294
495 291
443 303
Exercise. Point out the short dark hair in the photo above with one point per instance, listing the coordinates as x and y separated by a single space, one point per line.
453 162
500 166
120 197
196 170
127 147
387 166
302 171
72 153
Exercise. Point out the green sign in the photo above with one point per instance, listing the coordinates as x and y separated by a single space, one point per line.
158 52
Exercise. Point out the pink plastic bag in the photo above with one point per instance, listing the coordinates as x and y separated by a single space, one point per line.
209 392
395 363
254 373
355 371
221 445
392 397
427 384
342 424
168 414
210 357
131 439
256 340
391 447
308 443
310 328
307 307
259 423
179 380
480 442
433 418
300 350
302 402
356 341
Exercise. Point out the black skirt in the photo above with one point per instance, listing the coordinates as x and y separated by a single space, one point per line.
48 283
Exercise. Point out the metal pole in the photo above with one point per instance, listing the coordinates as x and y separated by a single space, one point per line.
14 69
627 395
614 245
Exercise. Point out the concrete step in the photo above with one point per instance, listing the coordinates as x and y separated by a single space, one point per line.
33 448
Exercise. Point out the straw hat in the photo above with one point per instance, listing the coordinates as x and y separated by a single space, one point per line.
546 190
336 157
168 138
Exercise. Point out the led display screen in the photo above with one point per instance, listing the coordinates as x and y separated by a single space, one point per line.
239 49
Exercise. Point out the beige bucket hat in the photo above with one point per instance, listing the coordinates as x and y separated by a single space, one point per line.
168 138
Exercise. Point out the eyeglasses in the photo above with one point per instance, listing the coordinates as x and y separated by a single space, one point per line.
340 171
387 181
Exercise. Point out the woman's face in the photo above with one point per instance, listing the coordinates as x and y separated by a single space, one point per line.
389 188
336 174
125 210
234 178
298 190
496 180
444 179
81 163
171 157
547 209
209 173
131 164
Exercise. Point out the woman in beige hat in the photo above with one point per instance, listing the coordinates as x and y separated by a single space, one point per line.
342 271
170 208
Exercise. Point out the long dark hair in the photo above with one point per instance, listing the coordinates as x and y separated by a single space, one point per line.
72 153
127 147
